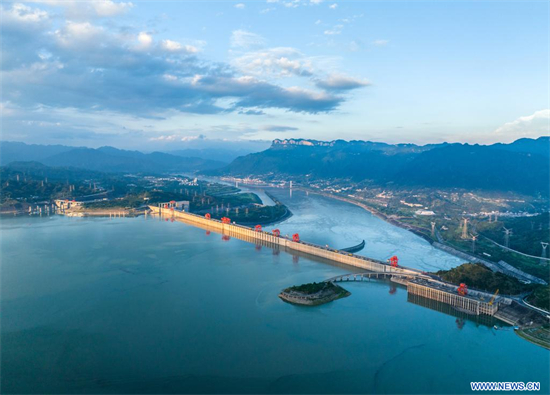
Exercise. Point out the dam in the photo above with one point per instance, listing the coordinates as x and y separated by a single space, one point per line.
272 240
416 281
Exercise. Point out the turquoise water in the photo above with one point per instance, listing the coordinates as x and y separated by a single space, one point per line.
140 305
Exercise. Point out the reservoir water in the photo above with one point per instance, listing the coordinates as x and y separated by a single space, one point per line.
142 305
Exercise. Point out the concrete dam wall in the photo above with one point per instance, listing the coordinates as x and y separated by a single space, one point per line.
269 239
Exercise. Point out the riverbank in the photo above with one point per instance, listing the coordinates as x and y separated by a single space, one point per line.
114 212
500 266
313 294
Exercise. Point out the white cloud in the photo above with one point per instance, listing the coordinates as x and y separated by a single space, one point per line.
315 1
193 138
106 8
277 62
75 34
333 6
534 125
244 39
174 46
171 137
291 3
83 9
240 6
170 45
23 14
380 42
145 39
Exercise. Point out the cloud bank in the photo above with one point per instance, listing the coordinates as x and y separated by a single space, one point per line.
87 65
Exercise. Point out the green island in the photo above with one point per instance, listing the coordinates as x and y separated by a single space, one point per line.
313 294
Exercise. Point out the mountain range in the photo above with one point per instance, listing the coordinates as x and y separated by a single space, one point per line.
104 159
521 166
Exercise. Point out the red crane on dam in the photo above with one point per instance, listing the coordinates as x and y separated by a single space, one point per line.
207 216
258 228
393 261
226 220
462 290
276 232
296 237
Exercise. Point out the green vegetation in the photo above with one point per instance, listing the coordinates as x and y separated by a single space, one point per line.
528 232
20 189
255 214
205 202
313 294
540 297
479 277
538 335
313 288
220 189
135 200
485 249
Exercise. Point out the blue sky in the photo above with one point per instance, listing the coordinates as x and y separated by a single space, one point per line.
175 74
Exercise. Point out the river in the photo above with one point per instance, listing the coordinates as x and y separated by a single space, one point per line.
142 305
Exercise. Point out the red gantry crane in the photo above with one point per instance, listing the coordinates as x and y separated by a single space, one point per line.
393 261
258 228
207 216
226 220
462 290
276 232
296 237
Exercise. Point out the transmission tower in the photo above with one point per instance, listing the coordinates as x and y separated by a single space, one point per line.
507 234
544 246
433 228
465 228
474 238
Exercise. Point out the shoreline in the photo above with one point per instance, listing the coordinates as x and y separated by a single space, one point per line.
371 210
452 250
